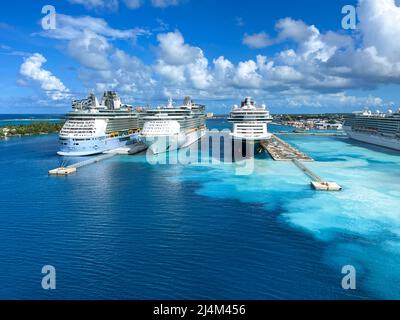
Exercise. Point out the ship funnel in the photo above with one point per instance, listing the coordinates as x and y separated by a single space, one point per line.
187 102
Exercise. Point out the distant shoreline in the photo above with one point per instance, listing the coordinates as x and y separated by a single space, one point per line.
38 128
32 119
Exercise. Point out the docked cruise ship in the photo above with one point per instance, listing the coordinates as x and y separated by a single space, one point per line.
382 129
172 127
93 128
250 127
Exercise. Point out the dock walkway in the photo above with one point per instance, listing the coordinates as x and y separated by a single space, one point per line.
67 170
91 160
307 171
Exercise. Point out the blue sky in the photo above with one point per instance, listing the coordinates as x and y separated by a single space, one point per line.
291 55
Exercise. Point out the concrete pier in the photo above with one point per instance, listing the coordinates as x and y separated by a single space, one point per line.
283 151
65 171
62 171
316 182
128 150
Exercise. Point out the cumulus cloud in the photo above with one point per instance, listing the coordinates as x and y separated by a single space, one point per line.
173 49
333 62
89 41
32 69
69 28
180 63
257 40
380 26
316 68
90 50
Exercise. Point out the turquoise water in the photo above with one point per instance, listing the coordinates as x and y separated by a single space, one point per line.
124 228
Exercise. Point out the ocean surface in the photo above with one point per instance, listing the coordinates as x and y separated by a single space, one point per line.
126 229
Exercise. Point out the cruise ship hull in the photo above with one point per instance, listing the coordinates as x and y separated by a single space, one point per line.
70 148
246 148
163 143
386 142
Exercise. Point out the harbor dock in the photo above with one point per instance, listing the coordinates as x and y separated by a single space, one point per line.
67 170
316 182
283 151
62 171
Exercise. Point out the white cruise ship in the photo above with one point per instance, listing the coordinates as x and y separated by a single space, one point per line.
169 128
250 126
93 128
382 129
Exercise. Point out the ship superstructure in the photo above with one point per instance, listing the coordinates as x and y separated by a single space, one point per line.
250 125
93 128
172 127
382 129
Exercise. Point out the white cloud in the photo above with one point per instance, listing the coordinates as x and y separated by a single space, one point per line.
173 50
296 30
173 73
90 50
223 69
88 39
380 27
246 75
257 40
32 69
315 68
69 28
180 62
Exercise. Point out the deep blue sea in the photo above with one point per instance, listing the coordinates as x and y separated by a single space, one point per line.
126 229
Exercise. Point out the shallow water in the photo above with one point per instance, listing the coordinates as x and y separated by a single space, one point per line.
124 228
